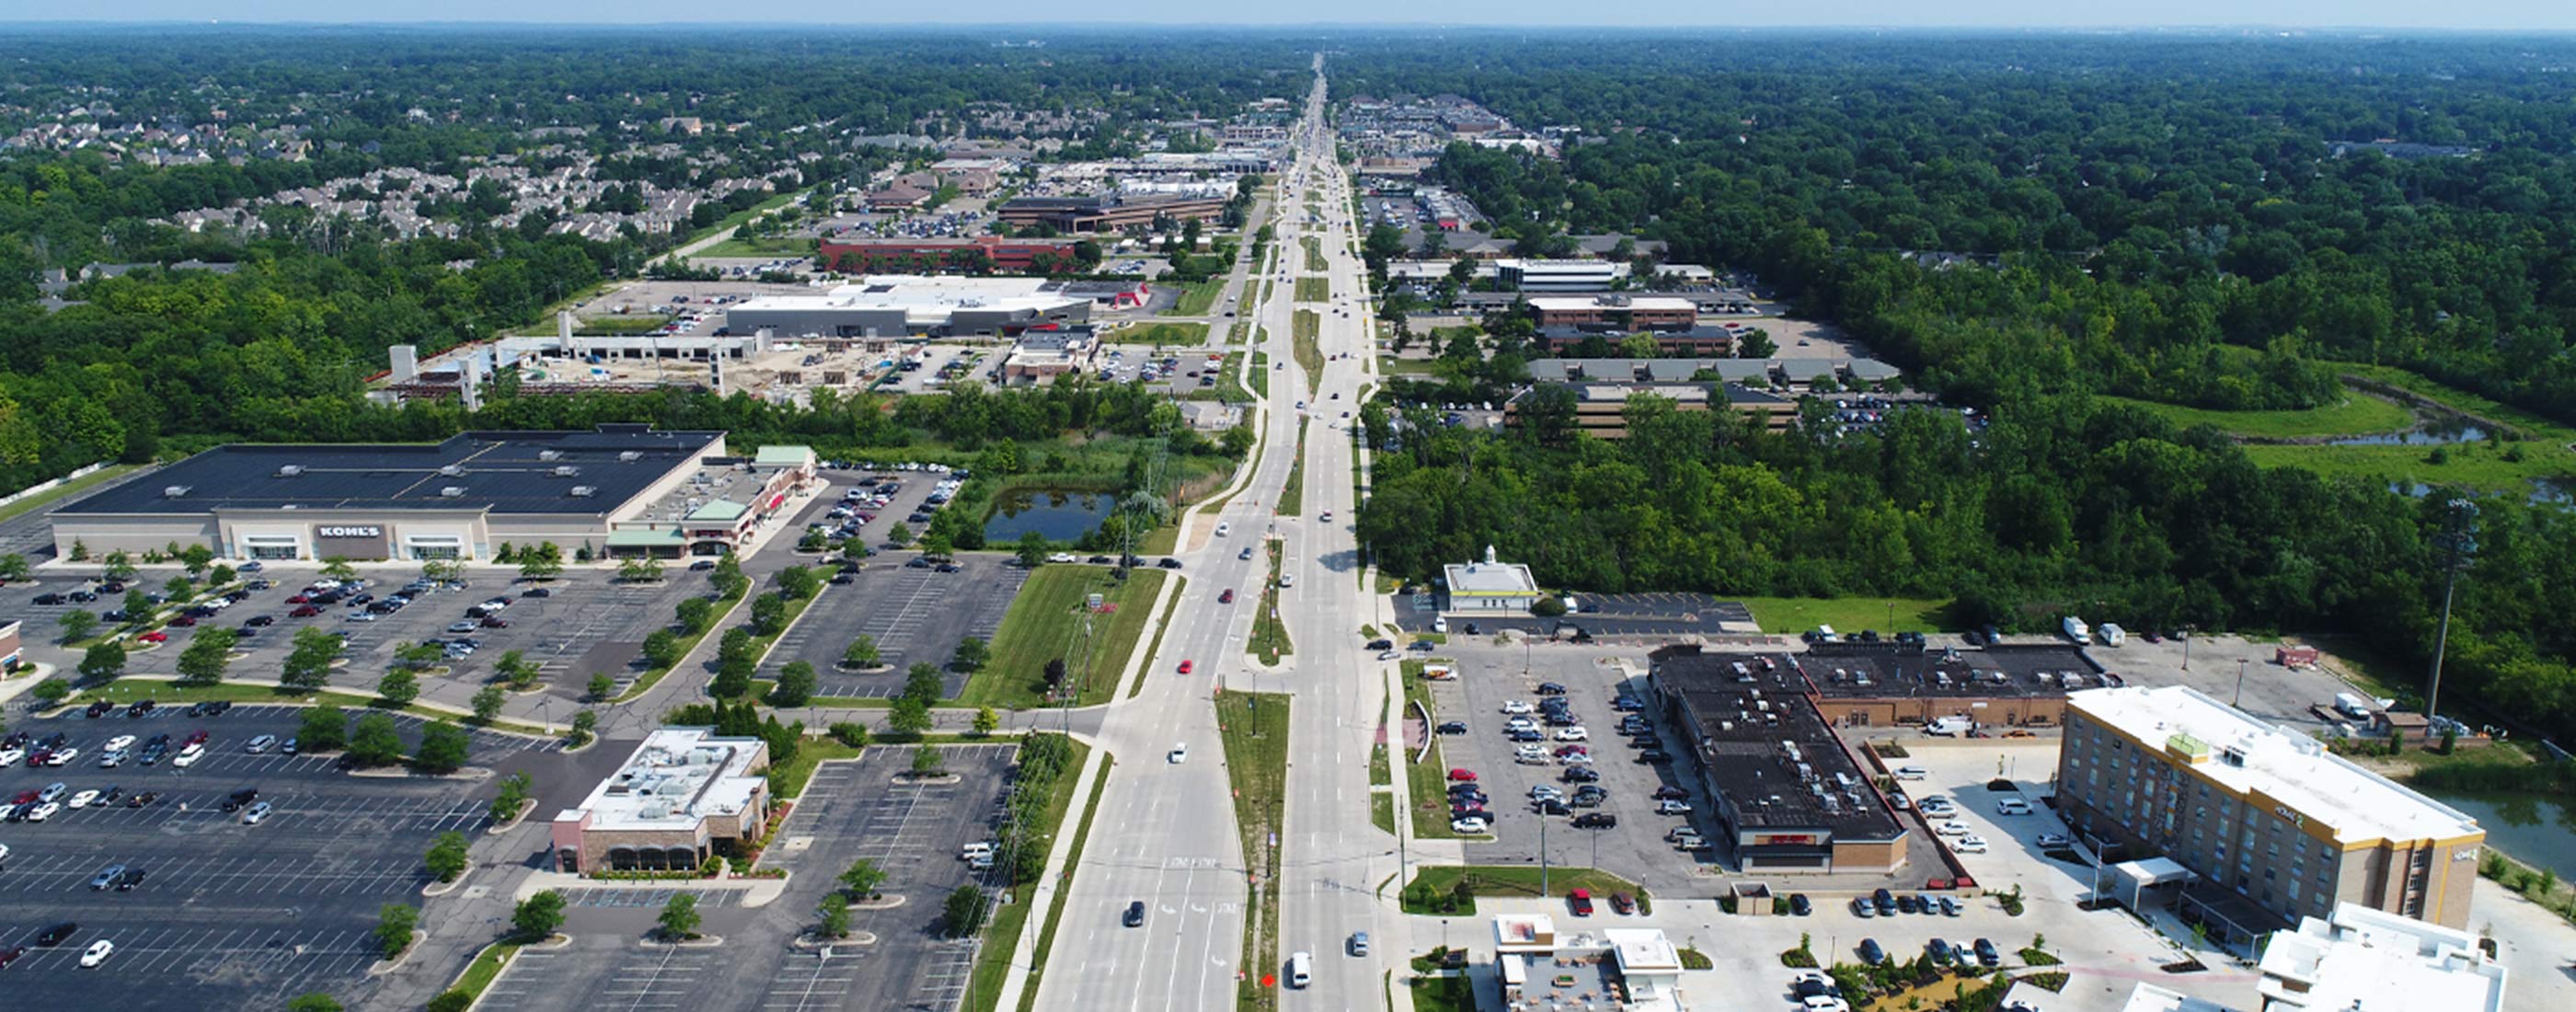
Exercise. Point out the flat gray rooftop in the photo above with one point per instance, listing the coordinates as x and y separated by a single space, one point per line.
505 472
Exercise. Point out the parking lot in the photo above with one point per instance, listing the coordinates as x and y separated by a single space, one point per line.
850 810
916 614
228 914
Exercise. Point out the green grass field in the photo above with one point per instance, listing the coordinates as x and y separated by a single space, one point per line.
1198 297
1170 333
1314 289
66 490
1269 640
2489 465
1846 614
2357 414
1041 626
1522 882
628 324
1260 373
1314 253
1310 356
1254 727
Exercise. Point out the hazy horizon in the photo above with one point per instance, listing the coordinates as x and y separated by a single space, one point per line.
2217 15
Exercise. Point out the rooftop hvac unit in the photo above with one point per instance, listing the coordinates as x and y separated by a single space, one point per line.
289 470
566 470
452 492
584 491
630 456
452 470
2233 755
175 491
550 455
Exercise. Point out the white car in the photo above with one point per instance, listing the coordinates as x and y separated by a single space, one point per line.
12 756
1951 827
1389 655
1575 733
44 811
2013 806
1178 754
97 953
1518 706
1576 758
120 743
1669 807
82 799
2053 840
1468 825
1544 791
188 756
252 815
361 616
1911 773
1530 752
1061 557
62 758
1520 724
1224 529
1970 844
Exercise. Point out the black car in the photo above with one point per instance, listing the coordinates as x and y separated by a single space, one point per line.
702 565
948 567
1381 644
1550 806
1453 727
99 709
1135 914
1798 904
56 934
140 708
843 578
1905 905
49 599
1550 689
1525 734
1580 775
1669 792
237 799
537 592
1654 755
1170 563
1885 901
1595 820
1871 953
1987 954
261 620
917 562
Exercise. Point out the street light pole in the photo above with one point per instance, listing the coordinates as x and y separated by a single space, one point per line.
2239 701
2457 544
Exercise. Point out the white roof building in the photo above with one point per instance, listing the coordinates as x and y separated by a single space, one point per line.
684 796
2369 960
1491 585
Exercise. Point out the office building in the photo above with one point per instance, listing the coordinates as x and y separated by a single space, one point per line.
975 255
1789 797
1714 341
684 796
1107 212
1558 275
1600 408
2272 826
1627 312
898 305
2360 959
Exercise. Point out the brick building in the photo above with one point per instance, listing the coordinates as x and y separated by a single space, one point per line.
685 795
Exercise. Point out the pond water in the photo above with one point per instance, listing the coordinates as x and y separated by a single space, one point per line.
2433 432
2537 829
1058 516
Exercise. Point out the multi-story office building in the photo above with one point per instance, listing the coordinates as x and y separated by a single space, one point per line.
1559 275
2272 824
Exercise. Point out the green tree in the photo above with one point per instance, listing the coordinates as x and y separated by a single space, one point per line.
398 688
515 791
584 724
394 926
601 687
375 742
639 569
139 608
922 683
322 728
799 582
313 1001
195 559
768 614
515 669
1033 549
661 648
986 720
850 733
696 614
103 661
796 684
337 567
863 878
835 911
450 1000
910 717
728 577
862 653
926 762
179 588
539 916
487 703
220 575
208 654
52 691
446 858
13 567
1756 343
938 545
418 655
899 535
443 747
76 625
308 665
679 920
964 911
541 563
972 653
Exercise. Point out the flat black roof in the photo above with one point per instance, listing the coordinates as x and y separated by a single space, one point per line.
505 472
1766 748
1893 671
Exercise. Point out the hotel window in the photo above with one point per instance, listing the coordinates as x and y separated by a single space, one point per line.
2293 890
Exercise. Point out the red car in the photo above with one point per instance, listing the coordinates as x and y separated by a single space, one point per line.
1227 597
1568 750
495 622
1464 776
1623 903
1581 901
304 611
297 599
1185 667
198 738
155 636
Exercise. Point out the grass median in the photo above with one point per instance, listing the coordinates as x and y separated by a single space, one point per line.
1045 623
1002 929
1314 289
1254 727
1310 356
1072 865
1849 614
1292 497
1269 639
1427 781
1509 881
1165 333
1198 297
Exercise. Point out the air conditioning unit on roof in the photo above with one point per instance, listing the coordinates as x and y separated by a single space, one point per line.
289 470
452 492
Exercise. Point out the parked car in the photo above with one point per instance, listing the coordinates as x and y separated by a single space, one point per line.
1580 902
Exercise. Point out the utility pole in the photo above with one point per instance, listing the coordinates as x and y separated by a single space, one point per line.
2458 544
2239 701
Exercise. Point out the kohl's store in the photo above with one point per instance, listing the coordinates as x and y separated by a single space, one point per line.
461 498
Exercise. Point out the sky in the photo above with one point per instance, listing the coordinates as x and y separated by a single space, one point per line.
2505 15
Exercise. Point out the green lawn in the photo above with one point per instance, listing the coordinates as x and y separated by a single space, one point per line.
1314 289
127 690
2356 414
66 490
1427 782
1292 499
621 325
1042 624
2484 466
1521 882
1072 866
485 968
1002 929
1260 372
1254 726
1314 252
1269 640
1198 297
1382 811
1846 614
1310 356
1162 332
1155 649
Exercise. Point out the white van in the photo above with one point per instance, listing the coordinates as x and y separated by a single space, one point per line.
1301 970
2112 635
1440 624
1951 727
2076 630
975 850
